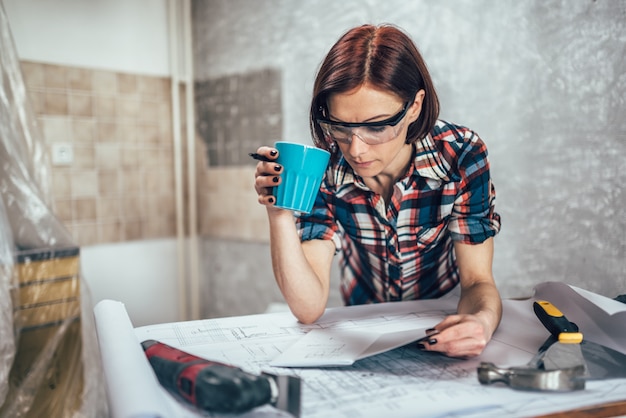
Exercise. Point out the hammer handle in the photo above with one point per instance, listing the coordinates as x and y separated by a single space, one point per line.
555 322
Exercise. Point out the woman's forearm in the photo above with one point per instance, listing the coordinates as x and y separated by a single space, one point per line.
302 274
483 300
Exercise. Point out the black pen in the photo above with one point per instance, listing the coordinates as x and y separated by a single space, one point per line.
259 157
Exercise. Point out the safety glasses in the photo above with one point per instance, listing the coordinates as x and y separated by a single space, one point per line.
372 133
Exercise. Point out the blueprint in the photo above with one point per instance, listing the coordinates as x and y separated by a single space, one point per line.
400 382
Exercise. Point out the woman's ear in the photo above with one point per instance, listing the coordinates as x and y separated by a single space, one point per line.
416 106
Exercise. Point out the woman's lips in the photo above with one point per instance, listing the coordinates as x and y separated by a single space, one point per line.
363 164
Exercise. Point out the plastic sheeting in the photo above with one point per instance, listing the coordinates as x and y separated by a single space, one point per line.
49 360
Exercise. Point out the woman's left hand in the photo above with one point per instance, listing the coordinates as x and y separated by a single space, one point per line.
457 336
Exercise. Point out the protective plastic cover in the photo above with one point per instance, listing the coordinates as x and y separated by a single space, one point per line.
49 359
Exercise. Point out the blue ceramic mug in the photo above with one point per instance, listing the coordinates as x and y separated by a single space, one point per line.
303 171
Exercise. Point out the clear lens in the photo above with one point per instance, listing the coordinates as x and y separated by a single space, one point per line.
371 135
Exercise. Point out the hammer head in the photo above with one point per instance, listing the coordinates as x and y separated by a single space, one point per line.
527 378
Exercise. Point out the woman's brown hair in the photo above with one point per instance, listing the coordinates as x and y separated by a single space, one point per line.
384 57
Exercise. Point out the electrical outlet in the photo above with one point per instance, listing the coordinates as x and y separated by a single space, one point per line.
62 153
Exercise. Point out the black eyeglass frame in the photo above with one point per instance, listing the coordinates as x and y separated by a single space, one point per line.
392 121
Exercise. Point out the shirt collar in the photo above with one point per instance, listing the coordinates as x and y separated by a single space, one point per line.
427 162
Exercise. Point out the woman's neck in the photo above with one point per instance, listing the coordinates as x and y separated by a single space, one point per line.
383 182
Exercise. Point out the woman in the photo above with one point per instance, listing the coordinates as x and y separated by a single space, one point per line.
407 199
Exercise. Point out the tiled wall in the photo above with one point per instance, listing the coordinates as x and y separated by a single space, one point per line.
120 185
237 114
228 205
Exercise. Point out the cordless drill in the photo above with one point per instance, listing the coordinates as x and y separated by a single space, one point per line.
218 387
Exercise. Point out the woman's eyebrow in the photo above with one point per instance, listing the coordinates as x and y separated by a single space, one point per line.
381 117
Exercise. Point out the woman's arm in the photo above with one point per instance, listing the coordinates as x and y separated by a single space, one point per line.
302 271
479 310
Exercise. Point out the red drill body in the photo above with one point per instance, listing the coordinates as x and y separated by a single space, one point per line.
209 385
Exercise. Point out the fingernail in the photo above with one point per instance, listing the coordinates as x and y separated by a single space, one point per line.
271 200
421 347
275 179
277 168
273 152
430 331
432 341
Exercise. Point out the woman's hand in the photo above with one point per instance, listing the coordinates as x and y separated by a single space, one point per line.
479 310
267 175
457 336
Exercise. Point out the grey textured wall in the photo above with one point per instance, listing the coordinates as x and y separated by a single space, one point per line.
542 82
228 108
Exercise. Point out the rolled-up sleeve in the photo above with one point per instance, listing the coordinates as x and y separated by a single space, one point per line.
320 223
473 218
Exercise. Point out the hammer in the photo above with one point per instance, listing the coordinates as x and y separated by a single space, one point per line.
558 366
529 378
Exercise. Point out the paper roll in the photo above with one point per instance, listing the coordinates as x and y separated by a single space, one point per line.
132 386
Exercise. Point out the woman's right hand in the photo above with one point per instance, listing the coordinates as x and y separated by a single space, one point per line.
267 175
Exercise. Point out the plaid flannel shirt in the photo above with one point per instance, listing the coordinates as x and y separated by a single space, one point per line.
403 250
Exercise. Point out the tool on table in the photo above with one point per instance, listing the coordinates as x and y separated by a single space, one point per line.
218 387
601 362
563 362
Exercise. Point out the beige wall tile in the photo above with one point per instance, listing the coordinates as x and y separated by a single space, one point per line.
84 156
165 115
63 209
121 183
170 227
211 180
168 181
159 228
84 209
80 104
154 87
165 131
168 207
107 131
130 155
108 156
133 230
131 181
61 184
127 83
36 98
108 208
55 128
243 178
150 133
152 157
165 88
258 227
54 76
79 79
133 208
104 107
166 158
33 74
128 133
55 103
104 82
152 181
83 129
109 183
149 111
110 232
128 107
85 233
84 183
